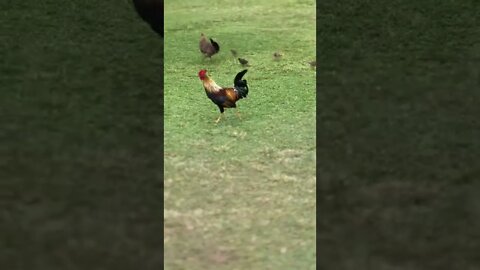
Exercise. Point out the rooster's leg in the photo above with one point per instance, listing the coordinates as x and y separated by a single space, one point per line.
220 107
219 118
238 114
221 114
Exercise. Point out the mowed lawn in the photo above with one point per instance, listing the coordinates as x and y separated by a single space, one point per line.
399 135
80 137
240 194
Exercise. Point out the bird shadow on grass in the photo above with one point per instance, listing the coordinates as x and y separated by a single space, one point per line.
213 60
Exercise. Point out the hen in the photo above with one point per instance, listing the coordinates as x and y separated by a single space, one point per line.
208 48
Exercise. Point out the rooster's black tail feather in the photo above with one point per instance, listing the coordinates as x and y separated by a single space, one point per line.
241 85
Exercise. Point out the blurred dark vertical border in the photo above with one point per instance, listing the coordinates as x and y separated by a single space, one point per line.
398 135
152 12
81 135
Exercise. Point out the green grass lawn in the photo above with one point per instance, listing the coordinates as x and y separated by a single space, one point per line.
80 136
240 194
399 135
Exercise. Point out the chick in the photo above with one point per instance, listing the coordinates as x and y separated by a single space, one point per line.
277 56
244 62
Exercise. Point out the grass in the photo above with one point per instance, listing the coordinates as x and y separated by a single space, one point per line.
240 194
80 137
398 135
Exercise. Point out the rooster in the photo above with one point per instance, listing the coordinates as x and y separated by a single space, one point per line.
225 97
208 48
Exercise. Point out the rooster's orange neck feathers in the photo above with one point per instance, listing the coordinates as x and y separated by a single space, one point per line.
210 85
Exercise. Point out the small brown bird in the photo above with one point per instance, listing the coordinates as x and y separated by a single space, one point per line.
234 53
208 48
313 64
277 56
244 62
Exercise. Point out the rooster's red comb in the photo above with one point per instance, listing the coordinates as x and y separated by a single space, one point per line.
202 72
